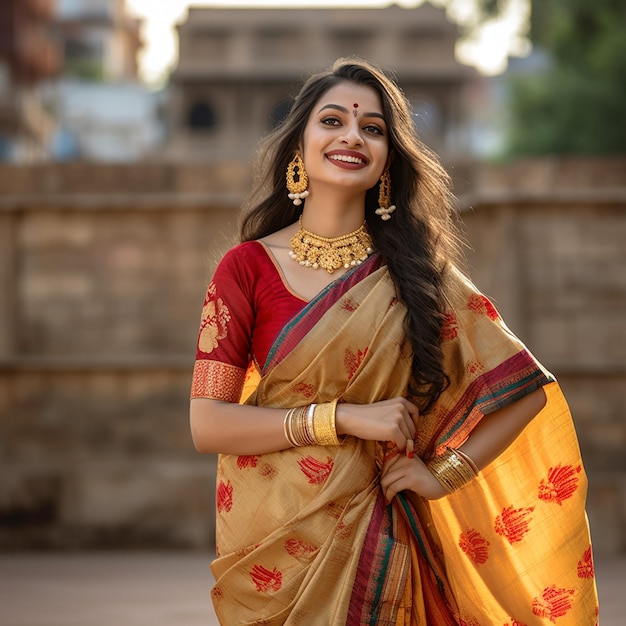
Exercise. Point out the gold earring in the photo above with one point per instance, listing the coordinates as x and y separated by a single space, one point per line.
297 189
385 208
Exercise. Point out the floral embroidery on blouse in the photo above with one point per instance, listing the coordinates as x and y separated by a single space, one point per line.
215 318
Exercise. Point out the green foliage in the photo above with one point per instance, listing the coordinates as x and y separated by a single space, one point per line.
84 69
577 105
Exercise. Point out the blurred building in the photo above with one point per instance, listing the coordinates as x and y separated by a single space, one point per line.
104 113
239 68
29 53
100 39
106 121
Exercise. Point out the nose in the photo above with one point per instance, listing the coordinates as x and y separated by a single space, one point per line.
352 135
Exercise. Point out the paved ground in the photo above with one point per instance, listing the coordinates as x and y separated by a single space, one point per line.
138 589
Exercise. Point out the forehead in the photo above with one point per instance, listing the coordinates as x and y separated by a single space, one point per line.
347 94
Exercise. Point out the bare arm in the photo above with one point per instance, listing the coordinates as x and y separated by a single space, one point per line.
488 440
225 428
497 431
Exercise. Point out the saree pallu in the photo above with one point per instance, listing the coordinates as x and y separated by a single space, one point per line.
304 536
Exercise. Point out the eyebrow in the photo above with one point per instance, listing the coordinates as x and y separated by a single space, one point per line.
338 107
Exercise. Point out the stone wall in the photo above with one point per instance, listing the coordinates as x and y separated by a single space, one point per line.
102 275
102 272
548 244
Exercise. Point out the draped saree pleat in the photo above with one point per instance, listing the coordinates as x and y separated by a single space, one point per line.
304 535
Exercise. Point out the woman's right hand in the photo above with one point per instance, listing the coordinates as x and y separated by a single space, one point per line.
393 420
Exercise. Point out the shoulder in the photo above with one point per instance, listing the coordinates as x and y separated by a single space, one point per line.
241 258
243 251
463 295
242 267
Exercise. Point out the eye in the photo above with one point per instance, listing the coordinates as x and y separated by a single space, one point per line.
374 129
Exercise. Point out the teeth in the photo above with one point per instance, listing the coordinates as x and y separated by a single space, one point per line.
346 158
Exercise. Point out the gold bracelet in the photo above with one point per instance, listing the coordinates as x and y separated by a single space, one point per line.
310 430
312 424
287 428
452 470
324 427
304 417
293 426
298 425
468 459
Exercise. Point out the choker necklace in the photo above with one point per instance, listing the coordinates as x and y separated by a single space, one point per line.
330 253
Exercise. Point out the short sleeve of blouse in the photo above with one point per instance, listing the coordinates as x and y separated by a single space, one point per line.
224 339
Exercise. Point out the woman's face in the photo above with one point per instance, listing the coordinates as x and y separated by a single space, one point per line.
345 140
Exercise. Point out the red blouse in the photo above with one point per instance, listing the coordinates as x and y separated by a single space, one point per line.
246 305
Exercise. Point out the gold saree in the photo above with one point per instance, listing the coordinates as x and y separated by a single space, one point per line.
304 535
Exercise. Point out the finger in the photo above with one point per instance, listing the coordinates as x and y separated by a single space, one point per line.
392 475
410 416
413 412
393 489
410 453
389 466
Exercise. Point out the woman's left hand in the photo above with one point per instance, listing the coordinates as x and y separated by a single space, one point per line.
402 473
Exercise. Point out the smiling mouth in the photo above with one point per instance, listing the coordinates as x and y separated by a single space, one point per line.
347 159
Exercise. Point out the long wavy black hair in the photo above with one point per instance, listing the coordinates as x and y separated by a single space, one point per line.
417 243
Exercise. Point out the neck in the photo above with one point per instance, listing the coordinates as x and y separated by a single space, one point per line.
333 216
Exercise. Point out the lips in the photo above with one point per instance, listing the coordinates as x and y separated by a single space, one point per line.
347 159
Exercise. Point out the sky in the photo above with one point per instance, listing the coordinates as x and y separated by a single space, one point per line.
487 51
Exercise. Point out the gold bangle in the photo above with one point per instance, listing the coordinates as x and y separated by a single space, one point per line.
324 426
310 429
468 459
287 428
298 422
313 424
295 427
452 470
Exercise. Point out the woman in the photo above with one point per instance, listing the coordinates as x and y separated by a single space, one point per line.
389 452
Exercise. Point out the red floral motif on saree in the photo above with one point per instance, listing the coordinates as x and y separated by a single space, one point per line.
242 552
245 461
304 389
334 509
266 580
475 546
473 367
349 305
514 622
299 548
449 330
513 523
560 485
315 470
344 531
482 305
352 360
469 621
214 321
267 470
585 567
554 602
224 496
217 593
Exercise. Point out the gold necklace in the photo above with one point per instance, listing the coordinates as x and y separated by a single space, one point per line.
330 253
